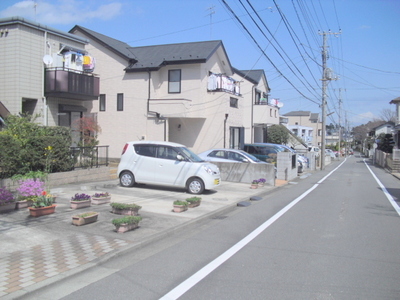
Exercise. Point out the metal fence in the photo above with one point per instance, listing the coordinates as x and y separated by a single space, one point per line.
90 157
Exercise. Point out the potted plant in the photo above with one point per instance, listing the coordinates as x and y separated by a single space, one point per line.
180 206
193 201
126 223
254 184
101 198
80 201
42 205
7 200
85 218
261 182
28 190
125 209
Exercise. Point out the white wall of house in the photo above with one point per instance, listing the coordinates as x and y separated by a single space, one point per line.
304 121
194 117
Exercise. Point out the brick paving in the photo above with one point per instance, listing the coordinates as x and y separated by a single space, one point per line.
20 269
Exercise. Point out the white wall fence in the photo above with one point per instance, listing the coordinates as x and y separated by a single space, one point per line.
390 161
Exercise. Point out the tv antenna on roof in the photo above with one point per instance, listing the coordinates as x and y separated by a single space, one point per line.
212 11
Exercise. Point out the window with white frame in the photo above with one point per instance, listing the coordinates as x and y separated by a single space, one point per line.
174 81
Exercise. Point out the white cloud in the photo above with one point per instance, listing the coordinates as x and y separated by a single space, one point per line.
63 11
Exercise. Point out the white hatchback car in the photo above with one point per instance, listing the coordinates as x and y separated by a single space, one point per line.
167 164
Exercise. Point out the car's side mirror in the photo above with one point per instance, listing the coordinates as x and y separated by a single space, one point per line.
180 157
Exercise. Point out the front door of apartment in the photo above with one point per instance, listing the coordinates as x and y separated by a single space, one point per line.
236 137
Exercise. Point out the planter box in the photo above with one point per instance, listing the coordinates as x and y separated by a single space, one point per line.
126 212
23 204
79 204
126 227
7 207
101 200
180 208
42 211
254 186
78 221
194 204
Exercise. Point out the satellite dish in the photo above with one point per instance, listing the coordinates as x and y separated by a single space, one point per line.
279 104
47 59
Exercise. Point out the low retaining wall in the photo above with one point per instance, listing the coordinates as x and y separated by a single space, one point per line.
246 172
80 175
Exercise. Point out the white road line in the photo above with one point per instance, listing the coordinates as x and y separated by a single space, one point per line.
390 198
202 273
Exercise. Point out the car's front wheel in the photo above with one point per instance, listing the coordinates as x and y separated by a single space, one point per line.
195 186
127 179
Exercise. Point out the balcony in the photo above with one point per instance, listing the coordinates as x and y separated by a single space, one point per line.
71 84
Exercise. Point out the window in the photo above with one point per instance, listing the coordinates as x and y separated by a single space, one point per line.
234 102
145 150
120 102
102 102
174 81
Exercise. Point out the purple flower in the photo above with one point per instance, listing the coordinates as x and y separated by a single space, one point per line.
80 197
5 196
30 187
100 195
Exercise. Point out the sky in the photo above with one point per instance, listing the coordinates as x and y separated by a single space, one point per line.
284 38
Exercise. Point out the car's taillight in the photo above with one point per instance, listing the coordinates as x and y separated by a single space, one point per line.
125 147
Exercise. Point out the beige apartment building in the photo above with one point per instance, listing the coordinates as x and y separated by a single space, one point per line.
187 93
306 125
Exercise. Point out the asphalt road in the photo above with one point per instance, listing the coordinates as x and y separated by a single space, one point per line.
334 235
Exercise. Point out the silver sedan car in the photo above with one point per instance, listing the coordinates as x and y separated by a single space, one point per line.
228 155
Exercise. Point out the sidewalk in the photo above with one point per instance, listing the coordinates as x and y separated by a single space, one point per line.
36 252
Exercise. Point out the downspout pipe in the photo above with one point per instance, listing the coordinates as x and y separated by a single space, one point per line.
226 118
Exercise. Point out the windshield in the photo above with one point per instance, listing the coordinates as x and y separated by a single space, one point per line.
189 154
251 156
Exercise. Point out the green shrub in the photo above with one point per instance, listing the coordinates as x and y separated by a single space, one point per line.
180 202
193 199
132 206
126 220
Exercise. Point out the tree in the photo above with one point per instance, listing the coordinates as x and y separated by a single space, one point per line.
388 115
277 134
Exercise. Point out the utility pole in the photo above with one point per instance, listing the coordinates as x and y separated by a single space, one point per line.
326 76
340 126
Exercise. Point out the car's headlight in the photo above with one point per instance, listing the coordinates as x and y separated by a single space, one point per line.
208 169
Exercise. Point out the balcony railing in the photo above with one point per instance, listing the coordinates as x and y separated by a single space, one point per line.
68 83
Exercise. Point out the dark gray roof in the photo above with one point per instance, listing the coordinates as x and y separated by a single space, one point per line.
396 100
299 113
254 76
154 57
114 45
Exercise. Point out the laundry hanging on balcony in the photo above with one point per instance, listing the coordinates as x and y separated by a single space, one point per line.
73 60
223 83
88 63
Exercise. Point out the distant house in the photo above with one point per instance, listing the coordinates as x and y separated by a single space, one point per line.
305 125
186 93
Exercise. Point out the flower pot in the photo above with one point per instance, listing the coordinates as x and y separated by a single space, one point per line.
101 200
79 204
180 208
194 204
41 211
7 207
254 186
78 221
126 227
126 211
260 184
23 204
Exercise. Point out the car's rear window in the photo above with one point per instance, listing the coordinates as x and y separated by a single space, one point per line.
145 150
